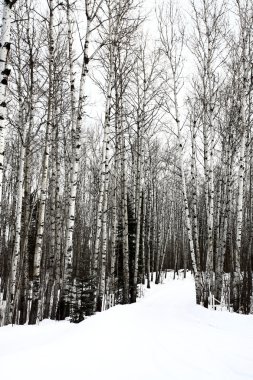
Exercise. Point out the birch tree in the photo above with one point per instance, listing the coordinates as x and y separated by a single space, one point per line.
245 16
5 70
36 301
91 11
172 41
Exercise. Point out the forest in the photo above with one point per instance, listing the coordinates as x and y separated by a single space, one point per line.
125 150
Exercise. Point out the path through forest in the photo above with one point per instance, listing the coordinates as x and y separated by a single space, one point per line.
164 336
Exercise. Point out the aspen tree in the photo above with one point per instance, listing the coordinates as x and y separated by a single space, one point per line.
148 237
143 87
70 22
5 73
244 39
36 301
194 177
102 213
124 209
34 51
103 198
226 183
24 126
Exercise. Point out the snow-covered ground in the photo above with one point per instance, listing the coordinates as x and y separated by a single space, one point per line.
164 336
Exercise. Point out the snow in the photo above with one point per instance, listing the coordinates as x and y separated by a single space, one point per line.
164 336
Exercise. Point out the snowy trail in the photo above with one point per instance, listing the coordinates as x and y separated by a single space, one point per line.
164 336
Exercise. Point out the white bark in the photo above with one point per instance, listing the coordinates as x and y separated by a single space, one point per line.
195 193
4 76
70 22
20 191
36 312
76 156
241 175
103 193
102 222
186 206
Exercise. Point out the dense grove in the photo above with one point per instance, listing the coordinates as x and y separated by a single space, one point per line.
125 149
